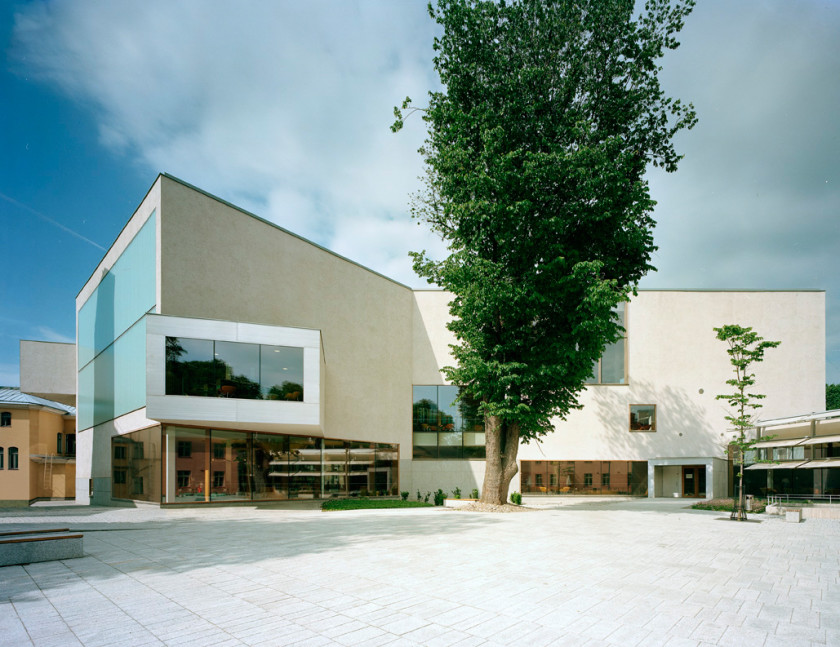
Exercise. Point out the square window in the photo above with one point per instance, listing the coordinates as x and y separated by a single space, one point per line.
218 451
119 477
184 448
183 478
119 452
642 417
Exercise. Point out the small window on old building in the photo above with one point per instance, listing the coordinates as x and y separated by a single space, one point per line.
5 419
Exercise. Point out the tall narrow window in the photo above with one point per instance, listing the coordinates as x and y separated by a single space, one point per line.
1 458
6 419
58 444
13 458
612 367
70 444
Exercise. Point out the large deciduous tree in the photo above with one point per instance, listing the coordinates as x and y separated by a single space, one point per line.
745 348
536 152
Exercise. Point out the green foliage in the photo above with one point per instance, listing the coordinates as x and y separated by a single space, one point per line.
832 396
516 498
404 495
726 505
369 504
535 158
440 495
474 493
456 493
745 348
419 496
426 497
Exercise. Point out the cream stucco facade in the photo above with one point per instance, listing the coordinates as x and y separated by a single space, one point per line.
199 268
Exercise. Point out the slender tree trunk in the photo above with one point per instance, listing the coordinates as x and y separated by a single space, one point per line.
502 446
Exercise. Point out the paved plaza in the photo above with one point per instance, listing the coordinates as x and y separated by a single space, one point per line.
573 572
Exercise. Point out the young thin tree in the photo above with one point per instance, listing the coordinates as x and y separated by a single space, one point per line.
746 348
535 159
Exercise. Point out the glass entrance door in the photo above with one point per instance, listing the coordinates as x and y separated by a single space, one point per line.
694 481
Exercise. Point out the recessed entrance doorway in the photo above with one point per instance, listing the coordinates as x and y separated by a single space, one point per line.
694 480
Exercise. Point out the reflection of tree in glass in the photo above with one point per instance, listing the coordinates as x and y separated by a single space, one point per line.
174 350
427 416
243 387
287 391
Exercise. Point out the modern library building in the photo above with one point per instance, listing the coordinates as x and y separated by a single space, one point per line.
221 358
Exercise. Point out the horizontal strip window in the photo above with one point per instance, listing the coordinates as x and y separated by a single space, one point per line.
225 369
585 477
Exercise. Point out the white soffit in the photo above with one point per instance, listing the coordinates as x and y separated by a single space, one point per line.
775 466
816 440
812 465
783 442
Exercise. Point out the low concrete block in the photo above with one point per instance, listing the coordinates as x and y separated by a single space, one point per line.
39 546
793 516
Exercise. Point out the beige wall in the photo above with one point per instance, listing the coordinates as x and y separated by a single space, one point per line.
34 432
48 370
219 263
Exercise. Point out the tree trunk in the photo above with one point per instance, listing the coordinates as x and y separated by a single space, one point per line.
501 446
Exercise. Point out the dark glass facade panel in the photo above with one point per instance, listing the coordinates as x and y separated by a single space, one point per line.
386 469
584 477
202 367
281 373
445 427
190 369
238 370
137 472
270 466
304 480
335 468
360 479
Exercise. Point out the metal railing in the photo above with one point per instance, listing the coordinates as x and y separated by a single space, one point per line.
774 499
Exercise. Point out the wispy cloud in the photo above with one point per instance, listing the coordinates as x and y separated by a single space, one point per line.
48 334
52 221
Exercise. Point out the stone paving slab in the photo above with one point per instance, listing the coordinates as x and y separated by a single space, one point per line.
584 572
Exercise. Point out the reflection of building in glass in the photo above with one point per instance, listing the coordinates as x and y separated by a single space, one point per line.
222 358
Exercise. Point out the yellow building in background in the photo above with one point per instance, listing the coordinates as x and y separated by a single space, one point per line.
37 449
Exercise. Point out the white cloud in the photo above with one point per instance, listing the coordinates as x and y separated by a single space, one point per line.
284 108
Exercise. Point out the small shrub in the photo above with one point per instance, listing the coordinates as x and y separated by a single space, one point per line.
426 497
456 493
474 493
516 498
363 492
440 495
404 495
419 496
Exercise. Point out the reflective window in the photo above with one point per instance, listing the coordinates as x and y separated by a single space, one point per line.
136 465
642 417
446 427
189 367
70 444
238 370
203 367
231 451
612 368
6 419
584 477
281 373
13 458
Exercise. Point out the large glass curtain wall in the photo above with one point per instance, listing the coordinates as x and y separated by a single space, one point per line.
584 477
204 465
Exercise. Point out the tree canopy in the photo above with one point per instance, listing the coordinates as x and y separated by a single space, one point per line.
832 397
550 113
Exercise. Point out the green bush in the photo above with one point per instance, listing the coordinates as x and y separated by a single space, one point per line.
404 495
369 504
419 496
426 497
440 495
474 493
516 498
456 493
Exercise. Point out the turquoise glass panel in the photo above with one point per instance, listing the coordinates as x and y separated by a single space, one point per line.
130 370
125 293
84 400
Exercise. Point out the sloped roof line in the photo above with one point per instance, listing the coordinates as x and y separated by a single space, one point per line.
13 396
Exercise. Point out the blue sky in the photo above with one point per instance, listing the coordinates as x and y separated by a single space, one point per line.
283 108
